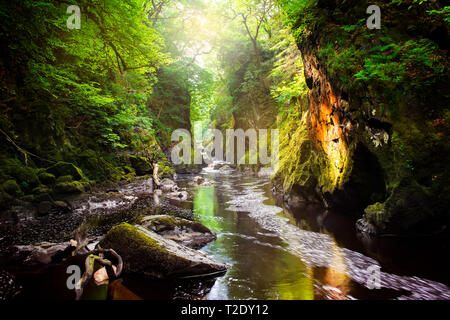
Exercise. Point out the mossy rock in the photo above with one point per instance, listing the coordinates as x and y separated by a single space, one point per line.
26 177
128 170
408 206
165 171
66 168
70 187
66 178
42 189
12 188
189 233
47 178
141 165
148 254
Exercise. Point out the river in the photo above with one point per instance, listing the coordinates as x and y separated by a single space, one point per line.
279 253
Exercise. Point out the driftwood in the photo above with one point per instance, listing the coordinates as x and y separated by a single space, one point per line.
97 255
155 176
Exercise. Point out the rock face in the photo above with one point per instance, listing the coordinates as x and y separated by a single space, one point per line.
371 137
141 165
189 233
144 252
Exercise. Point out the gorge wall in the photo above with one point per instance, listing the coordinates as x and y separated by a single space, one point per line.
374 136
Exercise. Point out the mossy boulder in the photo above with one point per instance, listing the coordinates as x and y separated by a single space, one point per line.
146 253
68 187
189 233
66 178
65 169
141 165
47 178
12 188
407 210
25 177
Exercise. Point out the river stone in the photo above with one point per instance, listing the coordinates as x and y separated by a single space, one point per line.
167 185
39 254
146 253
189 233
178 195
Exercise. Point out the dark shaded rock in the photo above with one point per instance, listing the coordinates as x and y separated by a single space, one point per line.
146 253
168 185
69 187
39 254
65 169
11 187
141 165
47 178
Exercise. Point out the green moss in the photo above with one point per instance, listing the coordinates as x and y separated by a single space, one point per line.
47 178
141 165
130 234
68 187
66 168
165 171
66 178
42 189
12 188
26 177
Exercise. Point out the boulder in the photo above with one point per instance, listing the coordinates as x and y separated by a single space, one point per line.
11 187
146 253
167 185
40 254
189 233
47 178
178 195
66 169
69 187
225 168
199 180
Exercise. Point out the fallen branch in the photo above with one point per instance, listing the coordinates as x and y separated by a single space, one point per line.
97 255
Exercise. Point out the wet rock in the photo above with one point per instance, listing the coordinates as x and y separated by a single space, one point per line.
189 233
265 172
39 254
188 168
366 227
167 185
8 286
225 168
146 253
201 181
178 195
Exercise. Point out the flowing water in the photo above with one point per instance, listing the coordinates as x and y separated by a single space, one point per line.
276 253
307 253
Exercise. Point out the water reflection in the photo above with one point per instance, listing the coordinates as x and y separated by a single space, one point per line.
275 255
